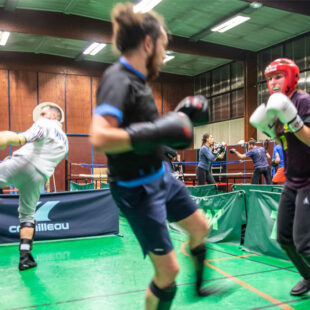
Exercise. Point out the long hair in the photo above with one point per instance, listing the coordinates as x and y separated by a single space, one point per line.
205 137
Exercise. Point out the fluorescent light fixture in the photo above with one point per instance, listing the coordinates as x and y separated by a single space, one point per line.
231 23
94 48
145 5
168 58
256 5
4 35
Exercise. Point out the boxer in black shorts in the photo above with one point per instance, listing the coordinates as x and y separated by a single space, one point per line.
127 127
289 106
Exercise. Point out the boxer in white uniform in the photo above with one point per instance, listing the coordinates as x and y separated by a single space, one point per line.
45 145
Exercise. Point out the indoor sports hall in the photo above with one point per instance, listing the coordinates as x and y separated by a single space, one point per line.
234 80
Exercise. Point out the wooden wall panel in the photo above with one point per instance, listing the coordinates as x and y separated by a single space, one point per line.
4 153
95 83
52 88
4 100
156 87
23 98
189 156
175 88
79 152
250 97
100 158
78 99
60 178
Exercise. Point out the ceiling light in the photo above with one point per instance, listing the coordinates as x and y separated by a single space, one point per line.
145 5
94 48
231 23
4 35
256 5
168 58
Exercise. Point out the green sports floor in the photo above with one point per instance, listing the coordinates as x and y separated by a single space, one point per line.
110 273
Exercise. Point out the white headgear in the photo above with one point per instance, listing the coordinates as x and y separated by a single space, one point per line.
37 110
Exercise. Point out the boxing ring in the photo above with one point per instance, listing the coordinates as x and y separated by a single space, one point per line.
223 178
97 272
223 175
92 267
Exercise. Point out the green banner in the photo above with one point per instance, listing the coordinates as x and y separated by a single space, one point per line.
259 187
202 190
277 189
224 214
261 231
79 187
104 185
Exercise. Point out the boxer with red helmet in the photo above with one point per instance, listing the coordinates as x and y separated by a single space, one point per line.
287 68
291 107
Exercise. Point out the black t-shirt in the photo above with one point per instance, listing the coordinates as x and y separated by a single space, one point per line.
124 93
297 154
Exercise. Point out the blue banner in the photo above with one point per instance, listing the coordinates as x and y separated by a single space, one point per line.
63 215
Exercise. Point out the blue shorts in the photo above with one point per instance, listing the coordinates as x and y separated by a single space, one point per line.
147 208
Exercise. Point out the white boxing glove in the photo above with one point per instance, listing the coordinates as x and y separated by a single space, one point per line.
260 120
281 106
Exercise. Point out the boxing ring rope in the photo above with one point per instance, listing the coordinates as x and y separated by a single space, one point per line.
83 177
217 171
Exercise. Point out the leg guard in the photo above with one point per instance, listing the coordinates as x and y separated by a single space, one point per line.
26 260
164 295
300 263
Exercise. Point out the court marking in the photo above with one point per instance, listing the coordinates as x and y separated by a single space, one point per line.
246 258
242 283
231 257
288 301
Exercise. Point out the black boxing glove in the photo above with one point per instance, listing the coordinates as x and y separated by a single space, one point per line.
196 108
220 148
169 152
232 151
173 129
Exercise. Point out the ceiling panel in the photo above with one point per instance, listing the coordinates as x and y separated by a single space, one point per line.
266 27
182 64
184 18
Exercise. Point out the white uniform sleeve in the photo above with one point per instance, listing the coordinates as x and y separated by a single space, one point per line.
34 133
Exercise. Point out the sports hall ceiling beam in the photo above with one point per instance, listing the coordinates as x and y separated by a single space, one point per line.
293 6
55 25
49 63
87 29
250 90
200 48
59 65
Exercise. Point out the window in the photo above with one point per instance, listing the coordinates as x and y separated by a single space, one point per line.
297 50
224 89
221 107
237 103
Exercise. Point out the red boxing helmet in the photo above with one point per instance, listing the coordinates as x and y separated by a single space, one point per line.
290 71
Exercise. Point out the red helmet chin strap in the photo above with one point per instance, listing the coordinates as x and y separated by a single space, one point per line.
289 69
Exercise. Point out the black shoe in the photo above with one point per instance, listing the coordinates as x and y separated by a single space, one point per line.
204 291
301 288
26 261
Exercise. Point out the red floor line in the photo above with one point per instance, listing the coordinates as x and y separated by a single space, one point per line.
231 257
242 283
